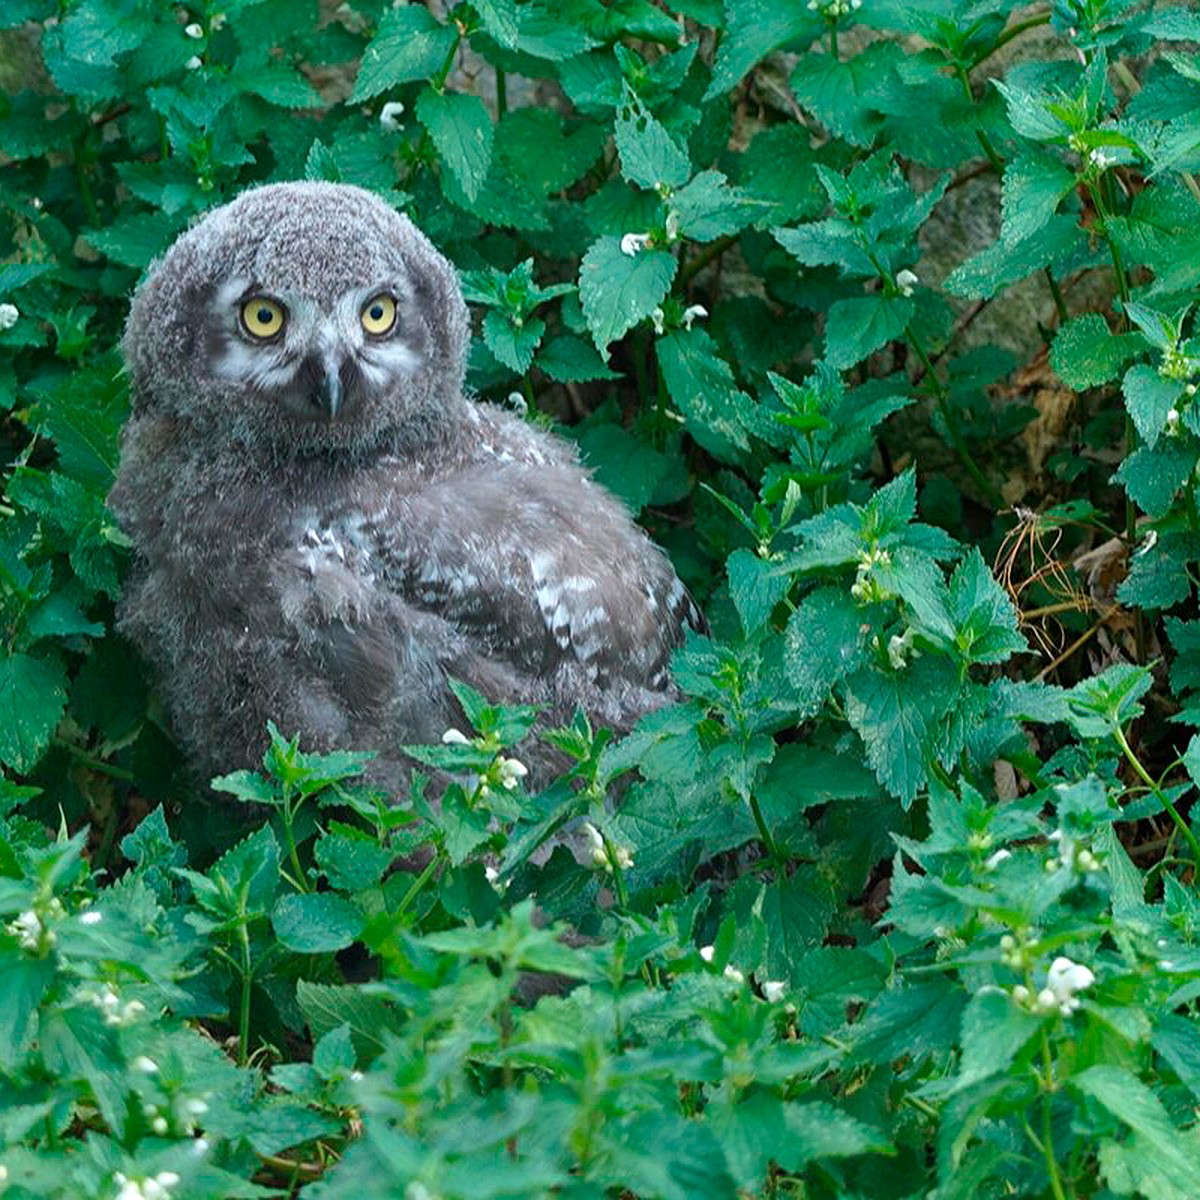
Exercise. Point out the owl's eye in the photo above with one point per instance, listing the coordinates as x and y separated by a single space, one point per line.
262 318
378 315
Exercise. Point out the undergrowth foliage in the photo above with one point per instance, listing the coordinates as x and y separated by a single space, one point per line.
900 899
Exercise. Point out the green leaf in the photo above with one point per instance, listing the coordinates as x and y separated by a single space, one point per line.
753 28
23 982
1097 706
650 157
842 92
898 715
513 345
1129 1100
33 694
756 586
1059 244
499 18
1086 353
1149 398
462 132
1152 475
984 616
823 646
709 208
569 359
409 44
858 327
700 382
617 290
316 923
1034 185
994 1028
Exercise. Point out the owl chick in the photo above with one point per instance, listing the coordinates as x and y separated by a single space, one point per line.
327 529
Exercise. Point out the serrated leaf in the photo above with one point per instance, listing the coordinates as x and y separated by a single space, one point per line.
499 18
841 92
823 645
1149 399
1034 185
700 382
983 614
409 44
756 586
858 327
316 923
1129 1100
994 1028
1152 475
33 694
462 132
1086 353
569 359
898 714
753 28
650 158
513 346
617 290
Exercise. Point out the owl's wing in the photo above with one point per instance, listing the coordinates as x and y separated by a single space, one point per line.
538 569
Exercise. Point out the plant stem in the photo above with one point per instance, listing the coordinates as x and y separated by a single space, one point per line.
763 832
942 399
1060 305
289 837
501 93
419 883
1161 796
244 1010
1047 1127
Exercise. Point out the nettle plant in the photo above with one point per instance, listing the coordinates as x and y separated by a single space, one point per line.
900 898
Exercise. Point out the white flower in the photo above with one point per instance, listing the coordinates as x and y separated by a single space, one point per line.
200 1146
993 861
195 1107
159 1125
193 30
600 857
356 1076
1172 422
194 63
658 319
1063 980
3 1172
632 243
511 772
518 403
773 990
91 918
707 952
693 312
906 280
27 929
672 227
732 973
1020 994
898 645
455 737
1101 159
9 314
389 116
217 21
147 1066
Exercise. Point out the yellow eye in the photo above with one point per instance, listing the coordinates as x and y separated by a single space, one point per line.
379 315
262 318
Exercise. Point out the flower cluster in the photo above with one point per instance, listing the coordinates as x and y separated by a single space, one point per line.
600 850
9 315
866 588
157 1187
1063 981
1079 858
833 10
109 1003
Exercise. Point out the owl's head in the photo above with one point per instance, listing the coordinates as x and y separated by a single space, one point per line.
310 316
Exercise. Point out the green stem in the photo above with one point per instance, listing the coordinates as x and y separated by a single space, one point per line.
1011 32
1161 796
244 1010
293 853
1060 305
763 832
942 399
1047 1120
985 142
501 93
833 42
418 884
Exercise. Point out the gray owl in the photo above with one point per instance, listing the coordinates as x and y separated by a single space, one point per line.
327 529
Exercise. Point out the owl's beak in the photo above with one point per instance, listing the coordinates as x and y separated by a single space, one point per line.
329 391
